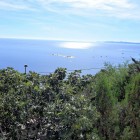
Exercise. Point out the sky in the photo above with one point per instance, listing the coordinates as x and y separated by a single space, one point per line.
71 20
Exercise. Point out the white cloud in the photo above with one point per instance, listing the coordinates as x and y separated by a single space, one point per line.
115 8
97 4
15 5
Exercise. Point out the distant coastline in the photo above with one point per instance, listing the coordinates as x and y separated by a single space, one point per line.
122 42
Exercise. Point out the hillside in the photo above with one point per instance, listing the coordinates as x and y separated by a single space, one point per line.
68 106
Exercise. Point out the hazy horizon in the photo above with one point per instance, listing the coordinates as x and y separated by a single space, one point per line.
41 39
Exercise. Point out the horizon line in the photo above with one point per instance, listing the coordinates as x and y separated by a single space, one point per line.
64 40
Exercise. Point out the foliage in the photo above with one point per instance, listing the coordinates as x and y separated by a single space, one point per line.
68 106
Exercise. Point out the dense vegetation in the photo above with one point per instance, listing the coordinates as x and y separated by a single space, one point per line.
68 106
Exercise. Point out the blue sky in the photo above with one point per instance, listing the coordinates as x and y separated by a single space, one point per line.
71 20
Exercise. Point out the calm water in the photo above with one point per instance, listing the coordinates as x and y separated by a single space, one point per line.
46 56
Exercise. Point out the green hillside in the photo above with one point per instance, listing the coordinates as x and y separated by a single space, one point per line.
68 106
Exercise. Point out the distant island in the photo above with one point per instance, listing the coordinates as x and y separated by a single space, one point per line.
62 55
125 42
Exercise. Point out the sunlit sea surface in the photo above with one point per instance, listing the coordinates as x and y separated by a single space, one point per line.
45 56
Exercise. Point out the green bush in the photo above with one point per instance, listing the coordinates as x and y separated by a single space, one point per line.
69 106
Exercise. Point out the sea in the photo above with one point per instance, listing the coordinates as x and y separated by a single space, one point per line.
44 56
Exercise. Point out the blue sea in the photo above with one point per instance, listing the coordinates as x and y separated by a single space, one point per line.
44 56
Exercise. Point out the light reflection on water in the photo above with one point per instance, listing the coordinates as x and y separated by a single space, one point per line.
76 45
46 56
